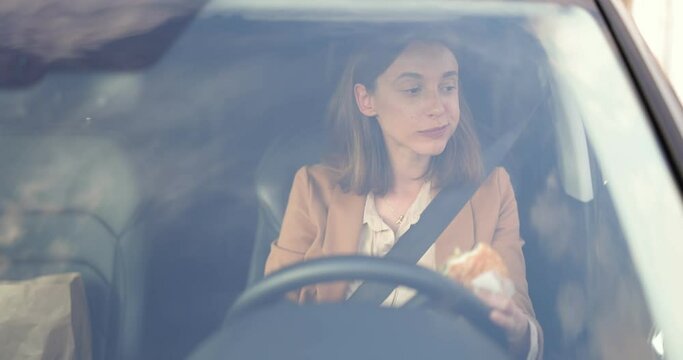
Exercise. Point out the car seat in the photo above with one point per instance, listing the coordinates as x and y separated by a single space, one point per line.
274 177
67 204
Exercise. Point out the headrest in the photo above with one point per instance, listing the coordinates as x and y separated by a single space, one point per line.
275 172
67 173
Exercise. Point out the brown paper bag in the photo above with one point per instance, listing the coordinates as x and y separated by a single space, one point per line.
44 318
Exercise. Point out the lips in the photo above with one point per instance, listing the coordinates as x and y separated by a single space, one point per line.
435 133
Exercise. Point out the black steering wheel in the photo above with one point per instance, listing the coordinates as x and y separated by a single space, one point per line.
439 291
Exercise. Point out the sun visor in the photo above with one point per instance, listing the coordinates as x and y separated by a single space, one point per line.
38 36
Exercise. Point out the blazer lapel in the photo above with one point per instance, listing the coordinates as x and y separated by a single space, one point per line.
344 222
342 234
459 233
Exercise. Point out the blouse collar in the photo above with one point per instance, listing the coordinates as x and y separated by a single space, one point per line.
376 223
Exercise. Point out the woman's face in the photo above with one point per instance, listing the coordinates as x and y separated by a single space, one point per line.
415 100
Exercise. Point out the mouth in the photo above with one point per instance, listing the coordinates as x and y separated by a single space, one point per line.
436 132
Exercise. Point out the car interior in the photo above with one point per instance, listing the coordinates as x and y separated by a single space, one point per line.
165 186
73 204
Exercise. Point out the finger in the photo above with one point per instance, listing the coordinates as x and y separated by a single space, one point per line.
496 301
486 297
502 320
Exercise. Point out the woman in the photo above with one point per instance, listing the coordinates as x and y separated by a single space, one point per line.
400 137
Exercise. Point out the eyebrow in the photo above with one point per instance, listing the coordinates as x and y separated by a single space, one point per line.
449 74
417 76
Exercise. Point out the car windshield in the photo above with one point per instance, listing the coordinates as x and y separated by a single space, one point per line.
153 150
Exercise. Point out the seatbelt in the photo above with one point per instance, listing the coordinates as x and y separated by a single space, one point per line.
439 214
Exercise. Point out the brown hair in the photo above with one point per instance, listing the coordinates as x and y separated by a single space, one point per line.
359 151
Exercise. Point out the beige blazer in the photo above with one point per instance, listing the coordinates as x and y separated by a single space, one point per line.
322 220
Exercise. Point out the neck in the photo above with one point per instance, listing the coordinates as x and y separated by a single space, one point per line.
409 169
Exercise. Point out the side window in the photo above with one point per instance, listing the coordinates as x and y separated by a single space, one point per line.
586 292
602 222
620 323
582 279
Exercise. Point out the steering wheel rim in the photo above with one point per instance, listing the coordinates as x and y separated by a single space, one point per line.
442 293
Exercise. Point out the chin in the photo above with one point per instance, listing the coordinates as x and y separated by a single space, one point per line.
433 149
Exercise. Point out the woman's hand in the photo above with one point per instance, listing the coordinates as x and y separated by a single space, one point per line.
506 314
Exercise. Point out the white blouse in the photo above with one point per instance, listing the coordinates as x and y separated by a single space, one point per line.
377 238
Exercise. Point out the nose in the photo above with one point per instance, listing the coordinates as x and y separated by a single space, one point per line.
435 104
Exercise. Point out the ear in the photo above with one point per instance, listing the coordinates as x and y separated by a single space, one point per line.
364 100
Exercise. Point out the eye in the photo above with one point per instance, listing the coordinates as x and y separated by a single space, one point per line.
413 91
449 88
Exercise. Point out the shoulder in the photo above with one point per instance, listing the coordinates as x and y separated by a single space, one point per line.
494 204
319 175
319 181
496 187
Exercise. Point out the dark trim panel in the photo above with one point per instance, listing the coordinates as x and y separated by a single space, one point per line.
659 98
